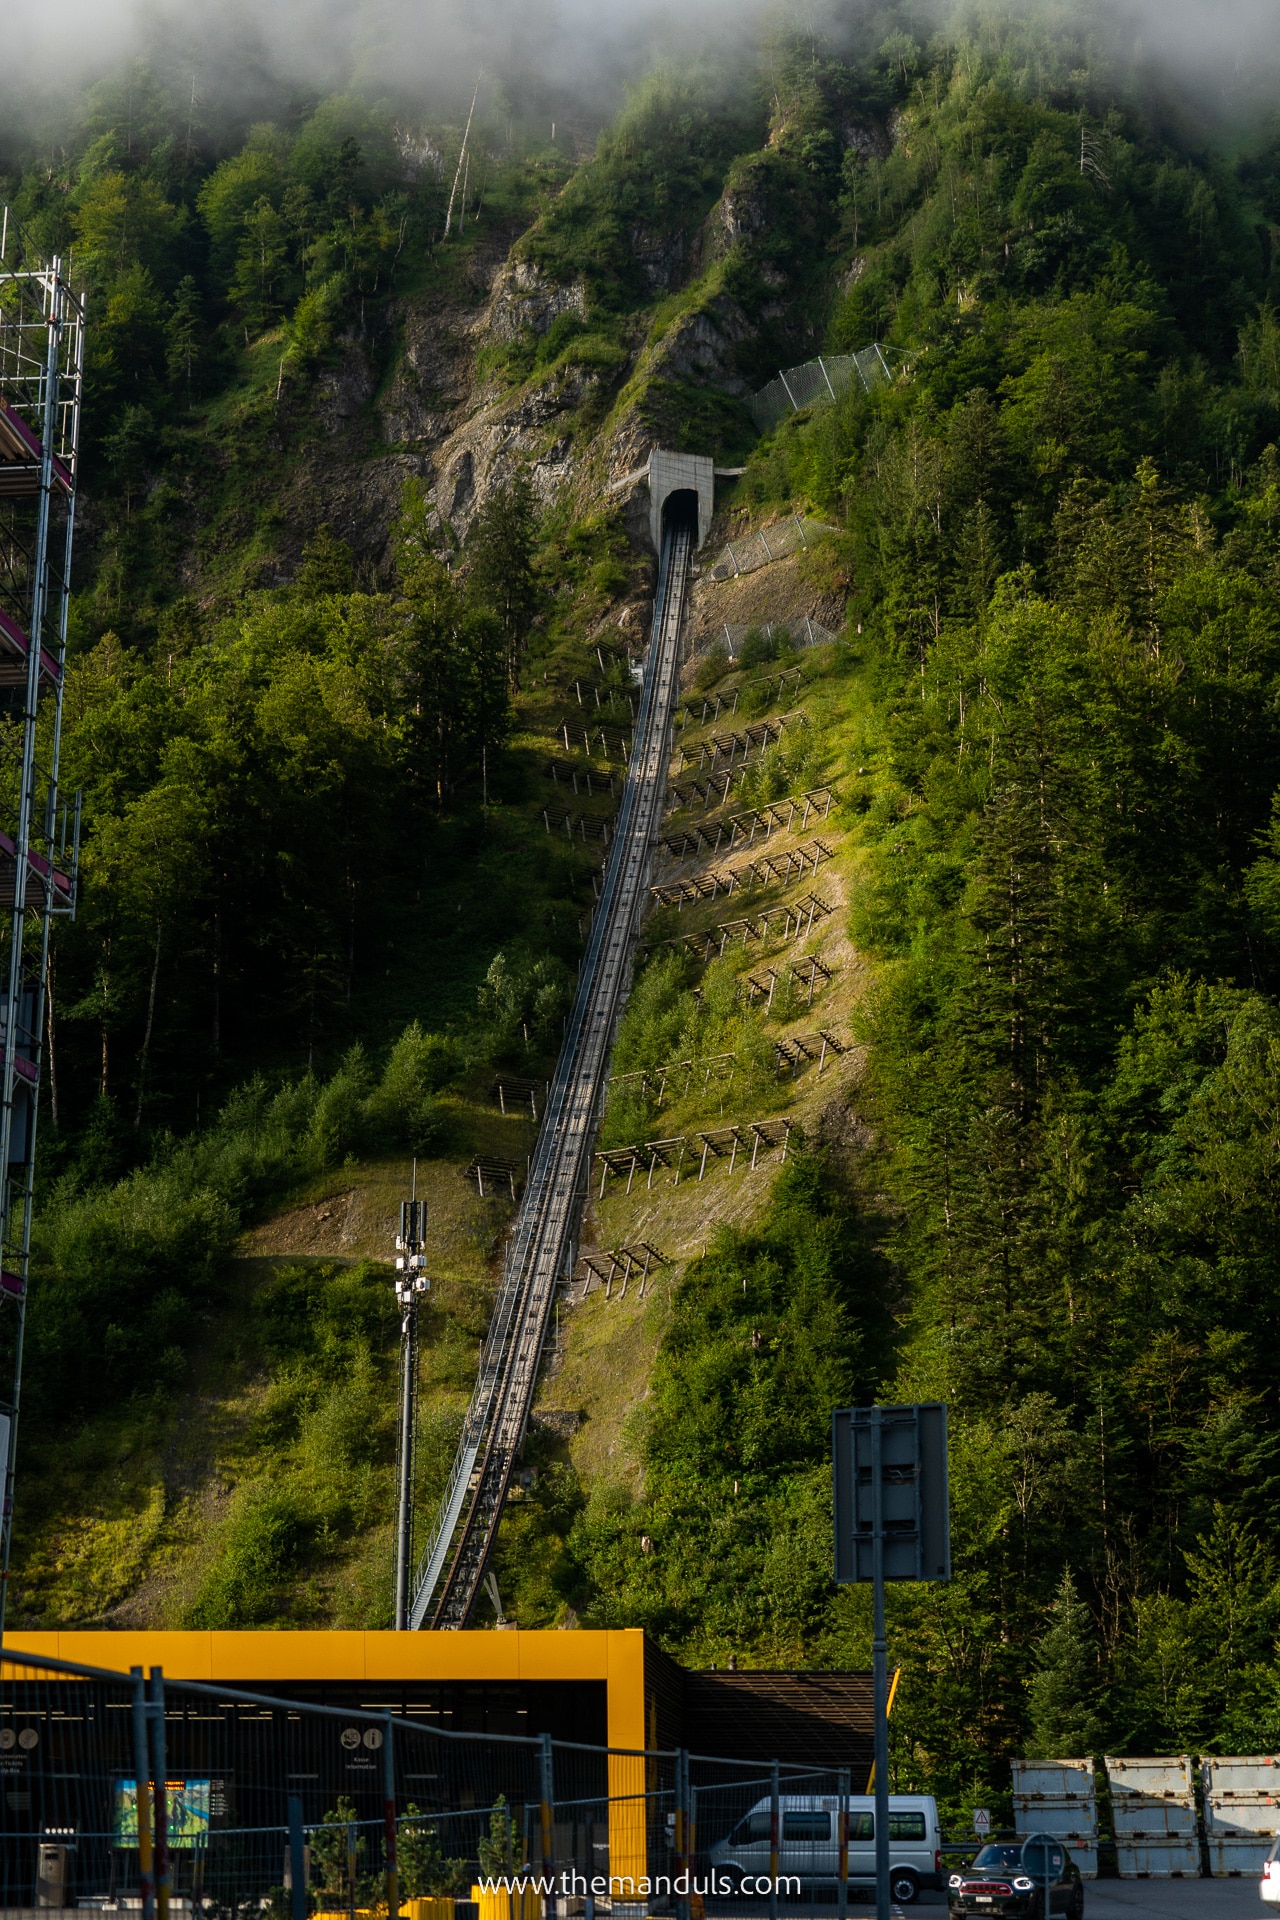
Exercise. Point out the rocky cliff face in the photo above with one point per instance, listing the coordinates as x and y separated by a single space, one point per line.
436 418
440 416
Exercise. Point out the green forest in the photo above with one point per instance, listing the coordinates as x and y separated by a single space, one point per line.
319 907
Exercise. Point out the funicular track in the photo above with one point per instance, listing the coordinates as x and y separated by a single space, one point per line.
454 1560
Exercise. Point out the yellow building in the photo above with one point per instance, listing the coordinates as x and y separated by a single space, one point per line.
598 1688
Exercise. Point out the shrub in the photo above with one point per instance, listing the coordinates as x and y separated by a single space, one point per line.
261 1544
757 647
402 1110
712 667
338 1122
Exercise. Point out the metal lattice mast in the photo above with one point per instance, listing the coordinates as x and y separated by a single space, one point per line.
411 1283
41 373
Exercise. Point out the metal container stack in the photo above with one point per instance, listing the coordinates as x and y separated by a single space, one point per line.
1241 1811
1153 1806
1058 1797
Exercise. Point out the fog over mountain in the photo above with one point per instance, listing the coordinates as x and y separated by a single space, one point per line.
572 53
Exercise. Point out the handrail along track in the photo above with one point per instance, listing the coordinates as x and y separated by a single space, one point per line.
453 1563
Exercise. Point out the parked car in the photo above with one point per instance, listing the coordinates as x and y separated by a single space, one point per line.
1270 1888
1009 1878
809 1844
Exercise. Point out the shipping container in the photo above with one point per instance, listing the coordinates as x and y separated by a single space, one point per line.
1058 1797
1153 1807
1241 1811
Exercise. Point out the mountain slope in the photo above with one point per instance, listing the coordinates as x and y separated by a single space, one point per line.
353 567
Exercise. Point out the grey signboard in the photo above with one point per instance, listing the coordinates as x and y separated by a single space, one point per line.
917 1527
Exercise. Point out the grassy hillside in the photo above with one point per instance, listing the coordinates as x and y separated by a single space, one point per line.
351 568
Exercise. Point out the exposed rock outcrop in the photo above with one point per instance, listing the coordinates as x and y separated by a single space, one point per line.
701 347
343 390
661 257
523 298
866 139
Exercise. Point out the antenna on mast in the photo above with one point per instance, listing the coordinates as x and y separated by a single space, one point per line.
411 1281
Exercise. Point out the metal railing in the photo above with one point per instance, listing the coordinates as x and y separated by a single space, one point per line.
453 1563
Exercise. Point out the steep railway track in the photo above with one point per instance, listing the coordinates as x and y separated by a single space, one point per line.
453 1563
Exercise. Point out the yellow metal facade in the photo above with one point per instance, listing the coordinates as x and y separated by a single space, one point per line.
269 1660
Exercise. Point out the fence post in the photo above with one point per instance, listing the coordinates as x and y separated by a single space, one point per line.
297 1860
682 1834
161 1794
842 1838
390 1858
351 1869
697 1901
775 1836
142 1794
682 1826
546 1788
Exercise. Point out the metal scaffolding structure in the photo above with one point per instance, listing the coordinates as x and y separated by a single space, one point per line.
41 373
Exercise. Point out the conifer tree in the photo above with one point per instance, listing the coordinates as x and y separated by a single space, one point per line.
1063 1689
500 563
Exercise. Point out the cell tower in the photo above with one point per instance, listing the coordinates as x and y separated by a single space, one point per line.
41 372
411 1283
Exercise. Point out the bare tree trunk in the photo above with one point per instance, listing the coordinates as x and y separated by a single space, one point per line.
53 1069
351 933
106 995
217 984
146 1038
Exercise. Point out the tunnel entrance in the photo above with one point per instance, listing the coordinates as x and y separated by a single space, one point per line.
680 509
686 478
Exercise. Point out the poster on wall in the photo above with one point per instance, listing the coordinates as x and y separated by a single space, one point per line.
188 1807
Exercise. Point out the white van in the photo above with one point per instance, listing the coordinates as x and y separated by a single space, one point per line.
809 1849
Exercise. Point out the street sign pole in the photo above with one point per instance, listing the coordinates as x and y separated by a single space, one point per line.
842 1838
880 1666
892 1522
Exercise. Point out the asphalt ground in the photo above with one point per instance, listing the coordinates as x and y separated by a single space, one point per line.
1103 1900
1174 1899
1121 1899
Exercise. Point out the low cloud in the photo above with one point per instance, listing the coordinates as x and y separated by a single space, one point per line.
567 56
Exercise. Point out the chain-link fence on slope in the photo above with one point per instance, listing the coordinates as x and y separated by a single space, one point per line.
817 380
788 633
766 544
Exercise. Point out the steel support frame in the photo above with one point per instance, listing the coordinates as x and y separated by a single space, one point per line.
41 374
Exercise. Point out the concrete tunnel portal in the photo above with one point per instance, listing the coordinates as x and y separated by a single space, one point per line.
683 486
